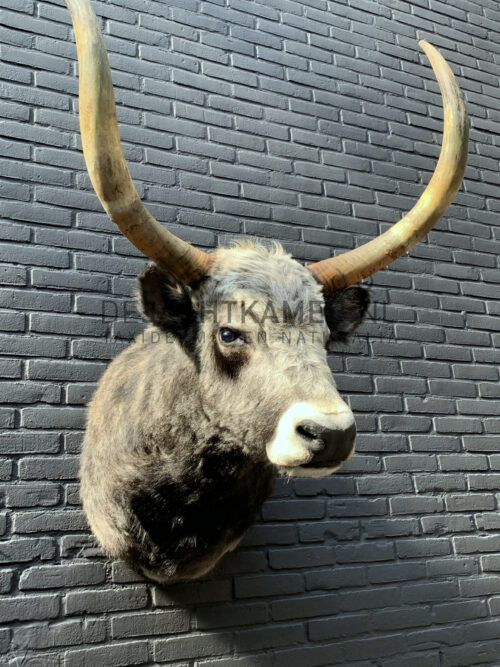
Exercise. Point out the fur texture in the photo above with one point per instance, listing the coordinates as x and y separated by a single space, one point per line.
174 467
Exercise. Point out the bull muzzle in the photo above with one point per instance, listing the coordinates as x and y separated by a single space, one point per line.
313 440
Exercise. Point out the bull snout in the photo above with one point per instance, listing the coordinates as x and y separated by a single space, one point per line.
329 445
313 440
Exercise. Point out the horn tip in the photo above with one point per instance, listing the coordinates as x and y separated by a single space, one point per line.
427 47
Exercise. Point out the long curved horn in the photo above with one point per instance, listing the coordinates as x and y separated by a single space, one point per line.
106 163
354 265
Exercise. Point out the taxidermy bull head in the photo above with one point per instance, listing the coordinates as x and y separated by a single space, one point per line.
230 381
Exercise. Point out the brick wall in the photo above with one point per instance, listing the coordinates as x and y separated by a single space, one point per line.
317 123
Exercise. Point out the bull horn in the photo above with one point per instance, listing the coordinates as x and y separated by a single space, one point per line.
352 266
106 163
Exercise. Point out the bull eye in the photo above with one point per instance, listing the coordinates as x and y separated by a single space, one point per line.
229 336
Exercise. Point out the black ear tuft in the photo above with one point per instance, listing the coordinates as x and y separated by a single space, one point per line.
344 312
166 302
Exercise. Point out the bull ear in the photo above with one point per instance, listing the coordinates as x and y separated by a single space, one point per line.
168 304
344 312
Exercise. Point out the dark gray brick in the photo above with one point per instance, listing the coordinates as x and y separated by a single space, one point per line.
205 116
490 563
491 426
383 574
336 578
193 593
458 425
384 484
127 653
58 370
452 462
50 468
25 254
72 280
28 608
61 576
428 592
191 646
272 637
23 550
268 584
12 321
218 616
57 521
298 558
465 544
366 553
224 42
321 118
92 349
31 346
305 509
260 535
291 608
192 49
174 126
79 393
123 573
30 392
156 623
35 134
263 661
357 507
370 599
470 502
31 495
241 208
448 524
6 579
266 161
95 602
64 633
10 368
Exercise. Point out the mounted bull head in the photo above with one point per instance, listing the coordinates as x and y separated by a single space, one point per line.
183 437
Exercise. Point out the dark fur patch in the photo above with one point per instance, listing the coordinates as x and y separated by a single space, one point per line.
187 518
344 312
229 362
166 302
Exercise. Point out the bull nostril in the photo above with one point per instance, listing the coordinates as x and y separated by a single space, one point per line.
305 432
310 430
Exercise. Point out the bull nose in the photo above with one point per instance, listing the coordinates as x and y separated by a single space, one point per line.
317 434
329 446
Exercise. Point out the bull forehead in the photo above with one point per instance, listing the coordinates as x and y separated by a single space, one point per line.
266 275
292 364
